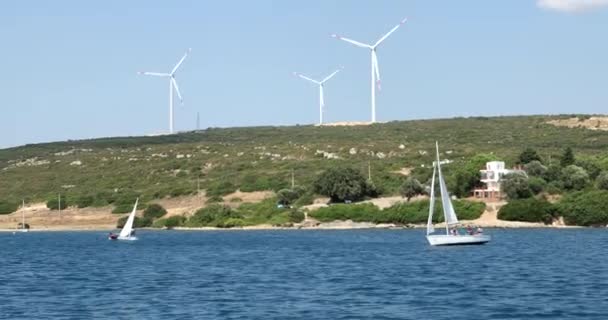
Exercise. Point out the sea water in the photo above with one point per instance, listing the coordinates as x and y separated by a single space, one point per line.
350 274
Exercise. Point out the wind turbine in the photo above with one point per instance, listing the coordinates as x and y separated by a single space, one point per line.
321 84
172 84
375 70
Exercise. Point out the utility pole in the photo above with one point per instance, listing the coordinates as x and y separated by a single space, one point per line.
59 205
369 170
293 179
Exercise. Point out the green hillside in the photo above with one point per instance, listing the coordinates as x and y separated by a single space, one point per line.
262 158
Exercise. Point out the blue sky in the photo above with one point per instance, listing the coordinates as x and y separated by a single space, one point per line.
70 66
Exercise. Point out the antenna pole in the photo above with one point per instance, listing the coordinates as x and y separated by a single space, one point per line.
59 205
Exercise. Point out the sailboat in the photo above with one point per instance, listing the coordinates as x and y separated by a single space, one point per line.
127 232
449 214
23 228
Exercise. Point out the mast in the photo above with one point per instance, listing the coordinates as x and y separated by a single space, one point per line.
445 216
23 214
429 224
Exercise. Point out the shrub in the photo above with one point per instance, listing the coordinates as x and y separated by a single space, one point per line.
537 185
306 199
169 223
154 211
411 188
137 222
602 181
53 203
355 212
341 183
296 216
7 206
530 210
84 201
214 199
231 223
516 186
212 216
221 188
574 177
585 208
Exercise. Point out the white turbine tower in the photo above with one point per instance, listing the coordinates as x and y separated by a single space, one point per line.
172 84
375 70
321 84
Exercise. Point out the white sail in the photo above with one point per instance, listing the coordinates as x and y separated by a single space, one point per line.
429 224
448 209
128 227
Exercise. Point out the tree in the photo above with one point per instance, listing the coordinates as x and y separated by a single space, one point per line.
585 208
531 210
466 177
602 181
567 157
529 155
8 206
341 183
535 169
553 173
590 165
287 196
516 186
411 188
574 177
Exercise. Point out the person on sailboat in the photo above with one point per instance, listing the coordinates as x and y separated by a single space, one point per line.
454 232
469 230
479 230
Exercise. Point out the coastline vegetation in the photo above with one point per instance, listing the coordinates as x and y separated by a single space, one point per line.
570 164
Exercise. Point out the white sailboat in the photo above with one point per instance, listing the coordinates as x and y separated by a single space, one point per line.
127 232
449 214
23 228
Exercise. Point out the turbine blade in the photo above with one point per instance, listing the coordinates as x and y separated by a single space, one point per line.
390 32
179 95
305 77
331 75
156 74
181 61
376 69
357 43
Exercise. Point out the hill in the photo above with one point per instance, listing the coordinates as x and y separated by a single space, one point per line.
220 161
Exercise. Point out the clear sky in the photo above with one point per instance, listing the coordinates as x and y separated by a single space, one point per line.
70 67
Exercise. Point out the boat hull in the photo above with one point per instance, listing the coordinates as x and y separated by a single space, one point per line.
131 238
459 240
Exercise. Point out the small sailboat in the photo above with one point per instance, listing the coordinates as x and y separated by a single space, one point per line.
23 227
451 220
127 232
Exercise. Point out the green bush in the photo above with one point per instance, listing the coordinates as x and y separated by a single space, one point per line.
296 216
585 208
232 223
214 199
53 203
169 223
306 199
212 216
154 211
137 222
529 155
530 210
354 212
574 177
535 169
84 201
537 185
7 206
601 181
221 188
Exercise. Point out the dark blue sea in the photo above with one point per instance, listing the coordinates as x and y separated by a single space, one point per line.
353 274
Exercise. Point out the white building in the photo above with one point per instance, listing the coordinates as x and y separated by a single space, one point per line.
491 176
